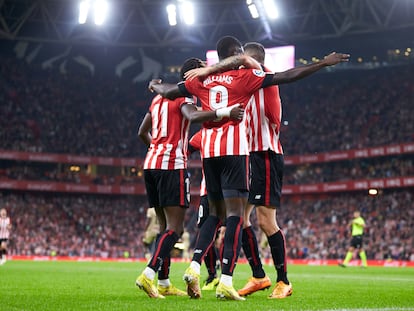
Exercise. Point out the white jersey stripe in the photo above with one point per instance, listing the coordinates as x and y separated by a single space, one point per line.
217 142
166 156
230 140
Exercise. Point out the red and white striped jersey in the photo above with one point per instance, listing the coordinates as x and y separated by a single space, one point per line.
263 117
168 149
224 137
4 227
195 142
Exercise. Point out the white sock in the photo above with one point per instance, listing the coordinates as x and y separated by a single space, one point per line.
226 280
164 283
195 266
149 273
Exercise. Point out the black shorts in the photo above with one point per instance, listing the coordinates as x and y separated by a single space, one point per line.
167 187
356 241
266 178
228 173
203 211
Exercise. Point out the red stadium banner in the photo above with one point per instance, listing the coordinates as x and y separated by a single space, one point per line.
381 151
67 158
350 185
48 186
139 189
407 148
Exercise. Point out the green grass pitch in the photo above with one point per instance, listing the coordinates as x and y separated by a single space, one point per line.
31 285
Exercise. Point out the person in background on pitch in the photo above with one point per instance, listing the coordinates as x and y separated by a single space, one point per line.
357 231
165 131
152 229
5 227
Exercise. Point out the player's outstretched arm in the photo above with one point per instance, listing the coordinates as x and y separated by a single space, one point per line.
301 72
170 91
230 63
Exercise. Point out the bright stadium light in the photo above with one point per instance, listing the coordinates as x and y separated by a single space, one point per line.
372 191
187 12
271 10
252 8
83 11
100 11
172 14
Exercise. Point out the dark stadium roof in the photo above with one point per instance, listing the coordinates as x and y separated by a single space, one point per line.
143 23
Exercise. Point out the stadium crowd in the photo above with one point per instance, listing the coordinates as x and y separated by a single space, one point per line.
317 228
45 111
356 169
76 225
106 226
366 108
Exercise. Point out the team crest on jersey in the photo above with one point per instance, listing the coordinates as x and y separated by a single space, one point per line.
259 73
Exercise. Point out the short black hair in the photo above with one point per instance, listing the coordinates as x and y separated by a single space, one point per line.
257 50
190 63
225 45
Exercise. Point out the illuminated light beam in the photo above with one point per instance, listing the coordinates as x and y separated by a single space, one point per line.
100 11
83 11
252 9
270 8
172 14
187 12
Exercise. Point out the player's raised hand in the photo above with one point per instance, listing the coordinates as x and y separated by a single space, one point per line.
152 83
335 58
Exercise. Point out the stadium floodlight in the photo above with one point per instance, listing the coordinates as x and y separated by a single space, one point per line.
252 8
172 14
83 11
373 191
187 12
100 11
270 8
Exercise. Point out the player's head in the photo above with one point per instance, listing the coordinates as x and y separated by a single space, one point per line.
189 64
357 214
255 50
228 46
3 212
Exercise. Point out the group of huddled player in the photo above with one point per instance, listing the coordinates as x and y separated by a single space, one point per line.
242 164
